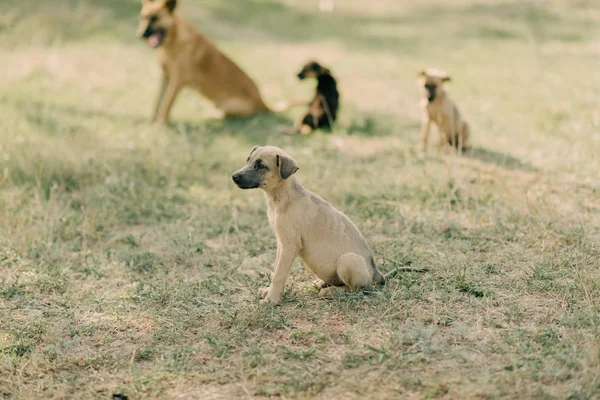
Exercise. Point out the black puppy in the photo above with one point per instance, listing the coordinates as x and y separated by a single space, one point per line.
323 108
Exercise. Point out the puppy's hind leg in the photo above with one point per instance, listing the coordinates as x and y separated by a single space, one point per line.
354 271
465 132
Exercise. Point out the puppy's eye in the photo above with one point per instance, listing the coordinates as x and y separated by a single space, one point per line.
153 19
259 165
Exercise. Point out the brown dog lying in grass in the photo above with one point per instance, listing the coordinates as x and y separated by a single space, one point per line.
439 109
188 59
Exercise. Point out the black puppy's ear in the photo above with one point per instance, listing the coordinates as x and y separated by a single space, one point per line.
287 166
325 71
170 5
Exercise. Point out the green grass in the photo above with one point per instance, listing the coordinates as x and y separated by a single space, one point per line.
129 262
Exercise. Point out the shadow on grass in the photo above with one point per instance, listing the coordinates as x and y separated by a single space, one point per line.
378 124
42 113
500 159
252 130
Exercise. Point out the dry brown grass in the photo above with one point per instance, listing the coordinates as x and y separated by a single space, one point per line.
129 262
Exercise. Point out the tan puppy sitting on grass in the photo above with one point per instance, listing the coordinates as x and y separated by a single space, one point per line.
305 225
439 109
188 59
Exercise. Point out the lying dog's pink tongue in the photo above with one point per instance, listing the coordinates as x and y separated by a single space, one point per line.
155 39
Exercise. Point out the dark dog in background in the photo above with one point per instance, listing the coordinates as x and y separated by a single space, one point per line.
323 108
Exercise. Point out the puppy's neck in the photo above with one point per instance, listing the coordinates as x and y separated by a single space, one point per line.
284 193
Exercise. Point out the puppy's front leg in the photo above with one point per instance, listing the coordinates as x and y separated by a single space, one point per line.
285 259
425 128
164 108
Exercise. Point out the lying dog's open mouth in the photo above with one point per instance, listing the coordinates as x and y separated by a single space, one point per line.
154 37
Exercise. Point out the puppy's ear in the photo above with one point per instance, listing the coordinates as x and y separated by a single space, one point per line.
446 79
421 73
252 152
170 5
287 166
325 71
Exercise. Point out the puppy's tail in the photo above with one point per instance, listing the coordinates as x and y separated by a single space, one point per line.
396 271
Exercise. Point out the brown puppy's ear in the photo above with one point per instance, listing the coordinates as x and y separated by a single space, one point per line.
287 166
170 5
446 79
421 73
252 152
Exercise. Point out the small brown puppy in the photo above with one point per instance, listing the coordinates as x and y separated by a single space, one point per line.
439 109
323 108
188 59
328 242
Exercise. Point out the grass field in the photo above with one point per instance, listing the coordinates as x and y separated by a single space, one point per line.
130 263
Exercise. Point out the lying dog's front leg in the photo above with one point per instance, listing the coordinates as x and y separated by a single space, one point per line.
285 259
164 107
163 88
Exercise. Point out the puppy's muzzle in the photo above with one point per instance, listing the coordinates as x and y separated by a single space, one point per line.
237 178
430 92
244 182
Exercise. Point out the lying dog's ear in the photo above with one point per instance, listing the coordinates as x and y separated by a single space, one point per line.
170 5
287 166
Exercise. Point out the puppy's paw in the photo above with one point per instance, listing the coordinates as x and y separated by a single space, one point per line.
271 298
159 123
327 292
262 293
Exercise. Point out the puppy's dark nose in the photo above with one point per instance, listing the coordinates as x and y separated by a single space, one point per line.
300 75
236 177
